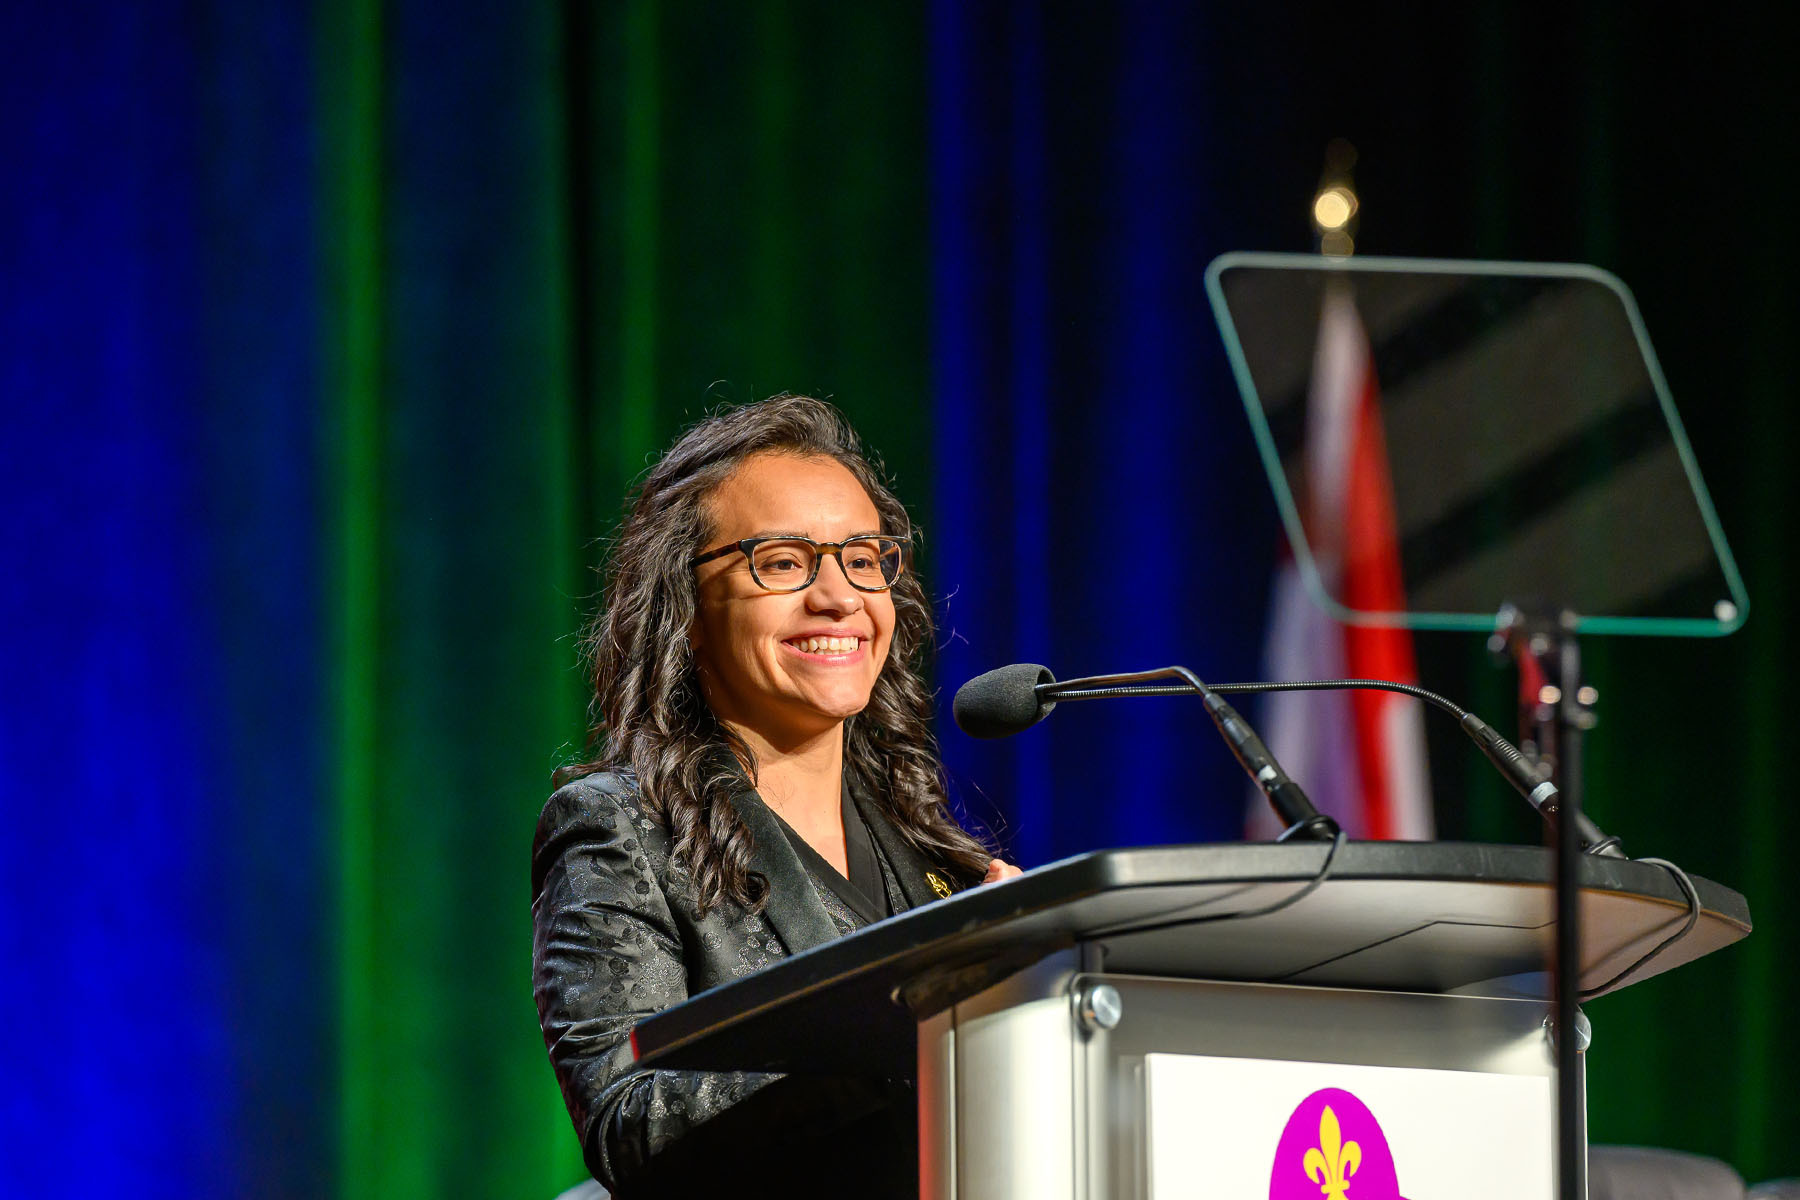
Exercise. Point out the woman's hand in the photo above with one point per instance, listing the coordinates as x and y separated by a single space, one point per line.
998 870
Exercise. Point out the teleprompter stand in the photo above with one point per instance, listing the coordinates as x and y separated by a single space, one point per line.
1507 438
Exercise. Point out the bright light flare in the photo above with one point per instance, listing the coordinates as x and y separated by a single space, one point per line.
1333 207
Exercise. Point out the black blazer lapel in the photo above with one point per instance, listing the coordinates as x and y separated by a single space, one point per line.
913 870
794 910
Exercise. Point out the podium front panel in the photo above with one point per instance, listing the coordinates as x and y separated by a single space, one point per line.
1205 1088
1290 1130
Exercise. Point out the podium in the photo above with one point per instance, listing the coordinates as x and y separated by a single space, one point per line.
1158 1022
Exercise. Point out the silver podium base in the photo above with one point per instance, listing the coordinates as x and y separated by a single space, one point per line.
1065 1084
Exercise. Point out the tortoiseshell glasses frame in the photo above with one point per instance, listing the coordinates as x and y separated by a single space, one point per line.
875 561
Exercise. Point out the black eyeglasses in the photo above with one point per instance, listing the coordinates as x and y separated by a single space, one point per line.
784 563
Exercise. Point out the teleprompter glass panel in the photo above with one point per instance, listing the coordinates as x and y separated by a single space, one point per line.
1499 432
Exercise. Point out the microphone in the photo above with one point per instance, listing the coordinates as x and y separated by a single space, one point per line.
1003 702
1011 699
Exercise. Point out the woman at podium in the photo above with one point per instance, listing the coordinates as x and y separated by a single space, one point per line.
764 781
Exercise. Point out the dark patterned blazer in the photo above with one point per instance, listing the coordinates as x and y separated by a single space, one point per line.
618 936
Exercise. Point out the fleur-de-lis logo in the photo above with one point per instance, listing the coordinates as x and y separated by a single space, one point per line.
1333 1161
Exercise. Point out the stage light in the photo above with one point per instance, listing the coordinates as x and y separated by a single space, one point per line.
1333 207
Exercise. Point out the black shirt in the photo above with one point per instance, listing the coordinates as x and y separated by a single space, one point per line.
867 892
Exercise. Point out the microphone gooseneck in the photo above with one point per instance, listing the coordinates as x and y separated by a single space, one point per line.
1011 699
1525 778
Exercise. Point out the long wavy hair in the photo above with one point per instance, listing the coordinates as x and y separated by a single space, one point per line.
649 717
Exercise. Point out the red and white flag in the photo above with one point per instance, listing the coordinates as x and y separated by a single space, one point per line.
1360 755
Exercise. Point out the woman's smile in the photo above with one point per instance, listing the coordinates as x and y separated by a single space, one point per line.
828 646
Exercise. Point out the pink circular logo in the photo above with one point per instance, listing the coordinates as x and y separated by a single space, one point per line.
1332 1148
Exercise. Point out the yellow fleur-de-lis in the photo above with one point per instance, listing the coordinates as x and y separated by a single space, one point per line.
1333 1161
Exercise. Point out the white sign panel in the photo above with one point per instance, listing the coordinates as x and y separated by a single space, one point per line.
1242 1128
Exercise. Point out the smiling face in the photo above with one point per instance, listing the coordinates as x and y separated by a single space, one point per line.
789 666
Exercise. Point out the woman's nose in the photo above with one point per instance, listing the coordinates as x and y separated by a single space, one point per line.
831 591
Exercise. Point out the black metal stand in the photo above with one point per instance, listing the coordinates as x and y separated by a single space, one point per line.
1555 710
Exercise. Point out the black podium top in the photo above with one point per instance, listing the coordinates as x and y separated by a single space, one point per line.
1395 916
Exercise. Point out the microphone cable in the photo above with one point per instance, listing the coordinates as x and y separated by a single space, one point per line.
1312 885
1693 919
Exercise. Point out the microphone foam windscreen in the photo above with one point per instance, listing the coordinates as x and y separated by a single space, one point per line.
1002 702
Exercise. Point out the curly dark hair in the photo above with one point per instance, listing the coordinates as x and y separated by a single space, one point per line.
649 717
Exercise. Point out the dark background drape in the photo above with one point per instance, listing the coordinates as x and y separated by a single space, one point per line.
334 334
